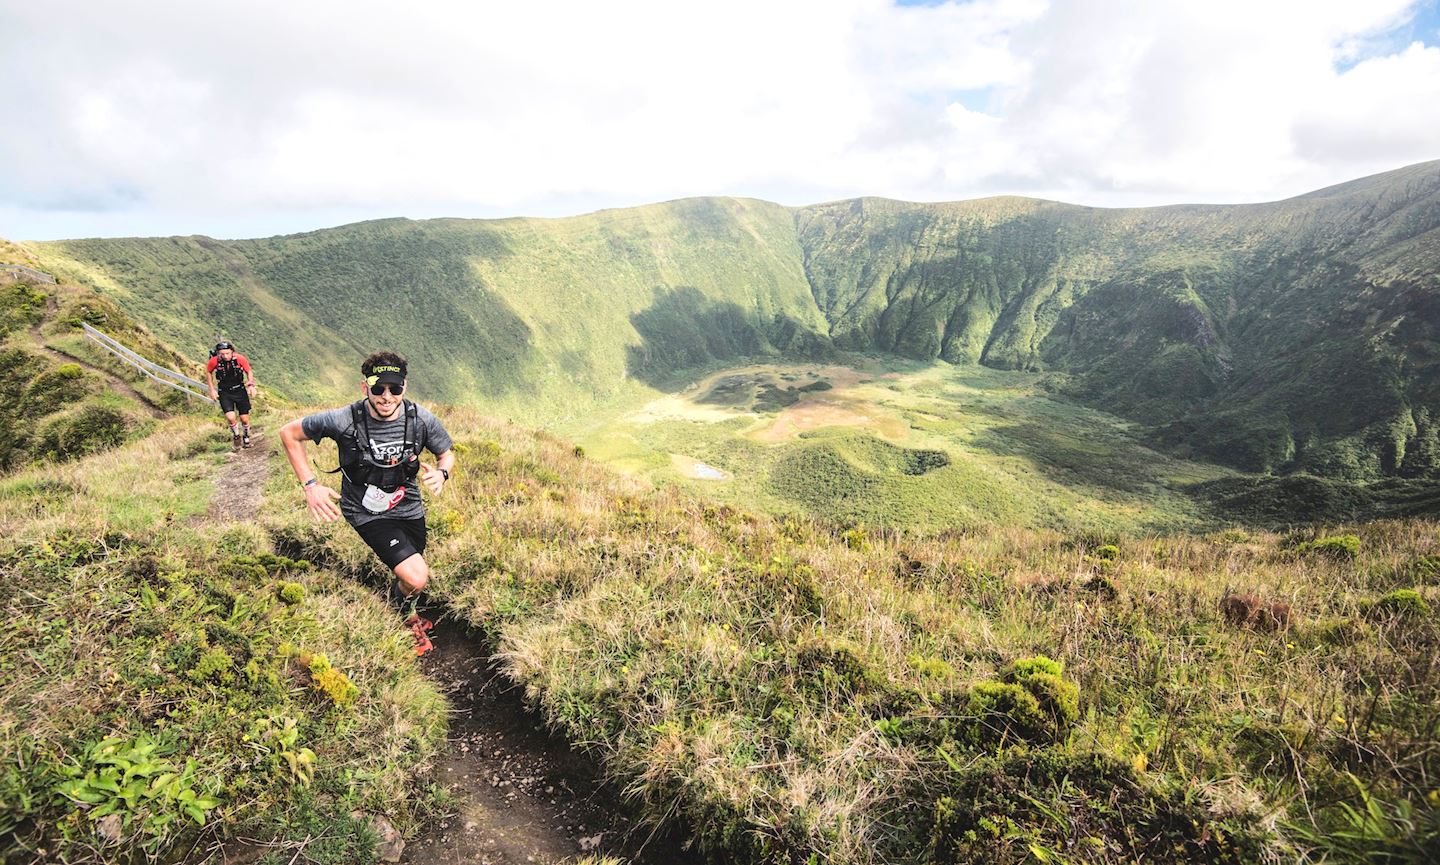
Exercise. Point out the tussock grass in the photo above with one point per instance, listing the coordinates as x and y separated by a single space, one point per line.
785 687
131 627
790 689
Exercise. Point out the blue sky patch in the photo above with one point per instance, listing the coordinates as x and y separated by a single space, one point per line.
1423 27
974 99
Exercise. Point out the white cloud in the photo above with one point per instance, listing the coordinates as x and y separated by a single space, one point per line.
180 117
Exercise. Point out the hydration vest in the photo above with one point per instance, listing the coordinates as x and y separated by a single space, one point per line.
359 465
228 374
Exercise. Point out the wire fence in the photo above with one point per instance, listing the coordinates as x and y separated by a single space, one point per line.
167 377
31 272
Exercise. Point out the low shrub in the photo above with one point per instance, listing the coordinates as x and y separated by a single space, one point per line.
93 428
1043 807
1400 603
1338 547
54 389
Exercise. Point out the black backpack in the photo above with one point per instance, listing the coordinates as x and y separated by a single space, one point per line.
228 374
359 464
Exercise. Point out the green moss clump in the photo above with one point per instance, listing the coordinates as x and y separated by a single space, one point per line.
1059 698
1107 553
335 685
835 664
930 667
1341 631
1002 710
290 593
1042 677
1025 667
1401 602
215 664
1339 547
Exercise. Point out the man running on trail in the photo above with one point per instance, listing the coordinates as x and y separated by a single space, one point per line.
232 384
380 439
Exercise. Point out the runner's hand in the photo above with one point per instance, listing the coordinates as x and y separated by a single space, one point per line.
321 501
250 389
214 394
432 478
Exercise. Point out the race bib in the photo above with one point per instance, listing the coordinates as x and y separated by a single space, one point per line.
377 501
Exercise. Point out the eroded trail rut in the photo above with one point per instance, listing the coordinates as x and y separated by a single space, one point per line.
520 796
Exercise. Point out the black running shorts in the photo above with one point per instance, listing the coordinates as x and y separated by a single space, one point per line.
394 541
236 401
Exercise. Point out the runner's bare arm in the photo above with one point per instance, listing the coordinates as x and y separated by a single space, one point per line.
319 498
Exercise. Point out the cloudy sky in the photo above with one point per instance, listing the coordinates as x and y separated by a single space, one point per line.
273 116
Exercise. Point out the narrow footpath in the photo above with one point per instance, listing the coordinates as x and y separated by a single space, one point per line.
520 795
112 380
240 484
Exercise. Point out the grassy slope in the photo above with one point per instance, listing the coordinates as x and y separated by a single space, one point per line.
534 318
784 688
134 626
59 409
1296 334
791 690
129 622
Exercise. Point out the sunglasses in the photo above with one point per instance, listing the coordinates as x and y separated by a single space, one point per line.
377 389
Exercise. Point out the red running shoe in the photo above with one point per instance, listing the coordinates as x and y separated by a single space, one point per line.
418 626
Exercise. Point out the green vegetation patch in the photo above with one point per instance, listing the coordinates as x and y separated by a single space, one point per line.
149 704
1041 807
794 688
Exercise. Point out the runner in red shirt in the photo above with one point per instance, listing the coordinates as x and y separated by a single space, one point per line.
232 384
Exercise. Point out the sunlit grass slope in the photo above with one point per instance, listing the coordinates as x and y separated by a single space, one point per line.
1001 696
170 684
1296 335
883 442
59 404
534 318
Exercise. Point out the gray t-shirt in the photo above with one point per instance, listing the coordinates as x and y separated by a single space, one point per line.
387 440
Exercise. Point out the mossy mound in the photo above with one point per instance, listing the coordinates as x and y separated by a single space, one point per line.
1051 806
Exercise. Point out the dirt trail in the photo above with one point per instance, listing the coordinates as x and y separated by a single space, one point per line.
521 795
114 381
239 486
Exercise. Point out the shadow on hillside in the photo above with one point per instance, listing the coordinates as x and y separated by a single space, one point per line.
684 329
1070 458
1281 502
411 289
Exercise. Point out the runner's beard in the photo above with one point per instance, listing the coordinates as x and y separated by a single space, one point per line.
385 416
